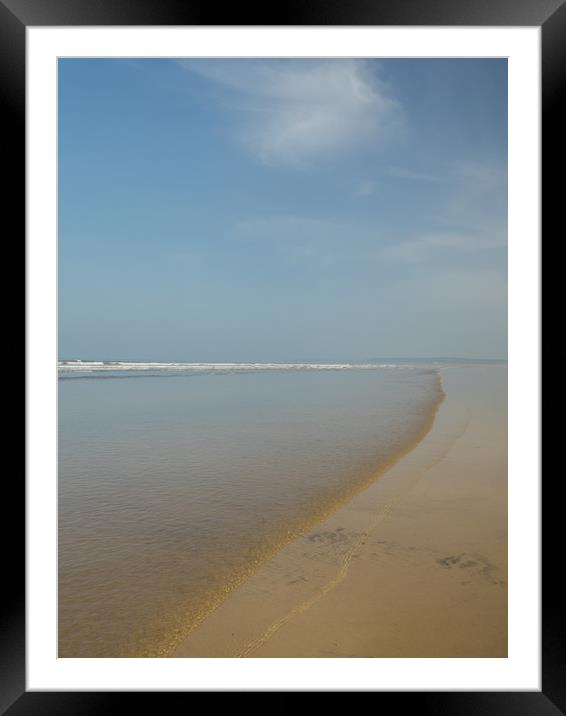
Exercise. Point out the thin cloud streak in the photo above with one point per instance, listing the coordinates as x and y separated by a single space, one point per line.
403 173
420 247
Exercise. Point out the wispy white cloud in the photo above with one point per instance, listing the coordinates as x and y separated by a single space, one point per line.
487 174
424 246
352 240
415 175
480 193
460 288
294 112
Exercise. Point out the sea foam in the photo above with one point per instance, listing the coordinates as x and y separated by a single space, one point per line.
78 368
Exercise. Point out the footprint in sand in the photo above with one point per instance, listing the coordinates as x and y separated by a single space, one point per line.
479 565
337 536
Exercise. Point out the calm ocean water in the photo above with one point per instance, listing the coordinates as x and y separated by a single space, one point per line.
174 486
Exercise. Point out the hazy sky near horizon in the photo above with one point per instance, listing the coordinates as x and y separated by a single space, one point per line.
241 210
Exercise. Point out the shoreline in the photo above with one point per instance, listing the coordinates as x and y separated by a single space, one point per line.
319 517
358 584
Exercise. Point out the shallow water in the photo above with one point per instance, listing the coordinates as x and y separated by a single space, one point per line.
173 489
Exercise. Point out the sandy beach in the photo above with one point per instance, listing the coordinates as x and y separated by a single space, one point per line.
413 566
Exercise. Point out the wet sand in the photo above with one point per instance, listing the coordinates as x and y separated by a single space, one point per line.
413 566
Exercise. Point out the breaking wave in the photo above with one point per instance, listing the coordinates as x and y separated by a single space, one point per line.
84 368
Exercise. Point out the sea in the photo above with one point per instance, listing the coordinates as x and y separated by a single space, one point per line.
177 480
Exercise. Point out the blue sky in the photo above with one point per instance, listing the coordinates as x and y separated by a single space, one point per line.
235 210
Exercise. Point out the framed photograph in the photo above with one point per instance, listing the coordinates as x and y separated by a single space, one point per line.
283 352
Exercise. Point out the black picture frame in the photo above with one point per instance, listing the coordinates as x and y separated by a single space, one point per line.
550 15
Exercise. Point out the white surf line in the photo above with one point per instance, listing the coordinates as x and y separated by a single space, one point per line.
99 366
